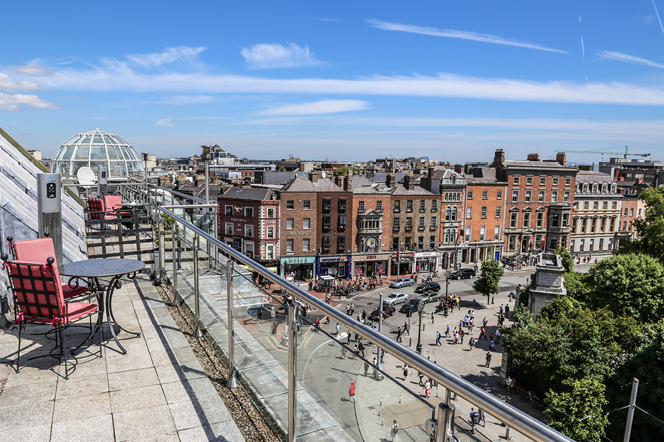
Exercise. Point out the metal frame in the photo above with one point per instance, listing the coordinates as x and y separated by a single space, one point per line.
525 424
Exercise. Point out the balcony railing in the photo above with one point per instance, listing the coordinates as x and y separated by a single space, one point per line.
223 297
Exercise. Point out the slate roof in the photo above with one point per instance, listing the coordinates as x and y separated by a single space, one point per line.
417 190
593 176
535 164
248 194
304 185
482 175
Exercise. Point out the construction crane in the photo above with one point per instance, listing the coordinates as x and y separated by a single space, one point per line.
625 155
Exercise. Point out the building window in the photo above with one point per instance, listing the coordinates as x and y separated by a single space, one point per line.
290 205
515 196
484 212
639 212
469 213
605 205
592 244
498 212
327 204
421 225
499 195
361 209
468 231
270 233
448 213
229 228
614 206
409 241
555 181
485 194
526 219
568 181
541 196
290 224
528 195
396 225
542 180
306 223
513 219
512 243
584 225
529 181
270 252
342 222
496 233
482 233
434 222
306 205
432 243
540 219
571 245
249 231
454 213
409 206
306 245
290 245
341 243
434 206
326 243
409 224
515 180
395 243
397 206
327 223
554 196
555 220
631 212
423 206
270 213
229 210
342 204
566 196
420 243
538 241
379 206
470 194
248 212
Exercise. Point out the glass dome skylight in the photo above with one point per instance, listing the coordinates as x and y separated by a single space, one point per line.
96 149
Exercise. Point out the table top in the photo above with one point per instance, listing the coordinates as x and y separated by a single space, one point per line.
102 267
134 204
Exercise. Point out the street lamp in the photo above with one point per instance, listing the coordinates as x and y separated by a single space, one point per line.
206 159
420 311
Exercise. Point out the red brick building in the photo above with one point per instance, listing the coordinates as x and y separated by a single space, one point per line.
484 215
249 222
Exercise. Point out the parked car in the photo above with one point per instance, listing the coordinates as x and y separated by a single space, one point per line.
410 305
388 310
395 298
428 287
402 282
430 297
466 273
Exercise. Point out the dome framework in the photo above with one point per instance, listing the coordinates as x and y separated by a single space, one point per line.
96 149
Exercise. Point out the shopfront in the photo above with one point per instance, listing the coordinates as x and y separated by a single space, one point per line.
406 264
298 268
426 261
337 266
371 265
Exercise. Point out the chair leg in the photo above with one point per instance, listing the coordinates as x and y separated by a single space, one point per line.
100 331
18 355
64 350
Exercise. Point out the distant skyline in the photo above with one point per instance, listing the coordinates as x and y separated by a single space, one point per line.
344 81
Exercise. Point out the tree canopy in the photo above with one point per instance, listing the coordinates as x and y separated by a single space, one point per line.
650 229
488 283
568 259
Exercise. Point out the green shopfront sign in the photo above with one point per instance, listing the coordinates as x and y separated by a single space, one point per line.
298 260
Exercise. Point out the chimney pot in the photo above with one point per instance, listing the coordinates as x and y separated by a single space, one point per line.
561 158
533 157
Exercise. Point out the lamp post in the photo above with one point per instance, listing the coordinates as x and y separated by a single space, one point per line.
206 159
420 310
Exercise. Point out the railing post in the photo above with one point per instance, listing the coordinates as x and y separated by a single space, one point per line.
174 242
196 301
291 326
232 383
162 249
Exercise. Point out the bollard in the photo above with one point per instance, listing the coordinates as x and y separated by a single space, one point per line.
399 397
432 317
508 433
410 341
424 327
380 405
493 300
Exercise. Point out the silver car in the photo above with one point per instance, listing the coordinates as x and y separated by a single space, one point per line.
395 298
402 282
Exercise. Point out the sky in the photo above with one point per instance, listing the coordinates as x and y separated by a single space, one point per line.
340 80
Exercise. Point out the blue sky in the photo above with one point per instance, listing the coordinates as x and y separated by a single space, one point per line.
338 80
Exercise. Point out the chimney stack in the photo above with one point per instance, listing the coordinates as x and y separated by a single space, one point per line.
533 157
431 171
389 180
561 158
499 157
348 184
409 181
313 177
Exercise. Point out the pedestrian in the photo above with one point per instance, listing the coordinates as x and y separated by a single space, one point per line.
497 336
398 334
437 338
427 389
260 313
349 336
482 333
366 368
336 331
507 310
471 343
447 331
364 314
357 352
394 431
352 308
484 322
361 347
351 393
472 416
405 371
343 352
470 328
374 362
405 328
502 309
488 358
456 337
461 333
491 337
382 355
317 323
483 417
357 337
348 309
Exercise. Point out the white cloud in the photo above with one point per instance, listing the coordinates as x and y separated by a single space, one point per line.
183 53
165 122
9 85
619 56
188 99
33 69
267 56
453 33
14 102
317 108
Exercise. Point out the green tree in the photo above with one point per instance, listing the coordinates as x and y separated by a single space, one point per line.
650 229
628 285
488 283
578 412
343 171
568 259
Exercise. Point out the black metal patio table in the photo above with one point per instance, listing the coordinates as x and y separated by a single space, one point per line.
115 269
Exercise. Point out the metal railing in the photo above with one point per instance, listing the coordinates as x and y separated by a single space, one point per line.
453 383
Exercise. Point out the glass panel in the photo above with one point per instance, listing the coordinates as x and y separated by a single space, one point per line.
82 153
114 153
109 140
97 140
98 153
73 140
126 153
117 169
61 167
77 165
95 165
86 140
67 153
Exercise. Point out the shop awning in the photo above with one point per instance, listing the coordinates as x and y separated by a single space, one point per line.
327 278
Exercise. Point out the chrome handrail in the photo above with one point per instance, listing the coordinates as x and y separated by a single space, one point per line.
174 192
506 413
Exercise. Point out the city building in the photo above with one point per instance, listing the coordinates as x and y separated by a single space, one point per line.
597 209
632 207
539 202
249 222
484 216
622 169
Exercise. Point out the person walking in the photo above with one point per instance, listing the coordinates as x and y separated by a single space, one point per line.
456 336
405 328
484 322
336 331
343 352
482 333
405 371
398 334
488 359
497 336
361 348
350 334
366 368
357 352
447 331
427 389
471 344
351 393
507 310
438 336
394 431
364 315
